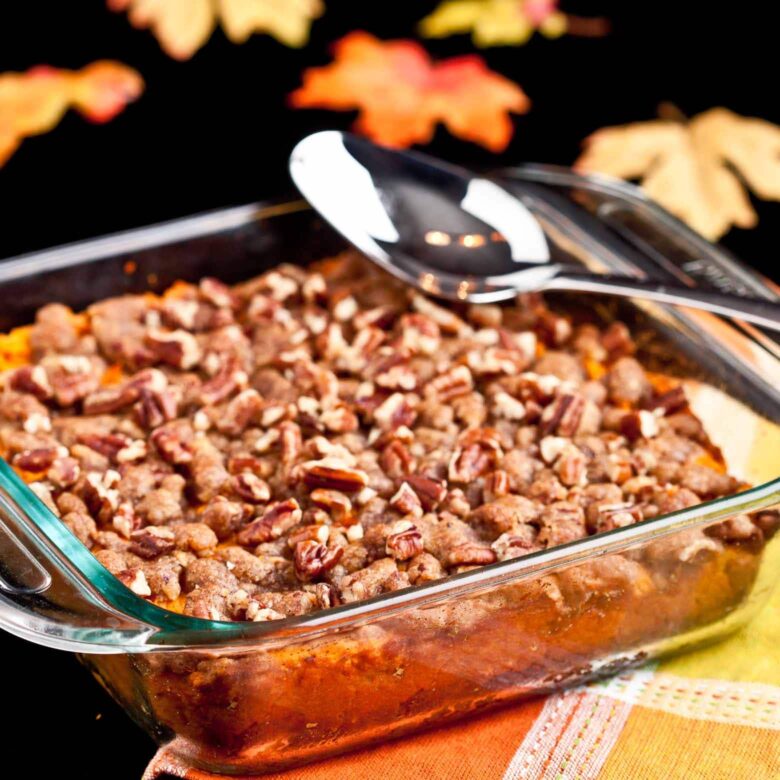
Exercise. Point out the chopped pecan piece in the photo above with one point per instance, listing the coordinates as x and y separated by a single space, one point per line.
33 380
471 554
178 348
313 559
36 460
275 521
563 415
431 492
639 424
403 541
457 381
228 378
669 402
155 407
337 503
333 474
152 542
251 488
406 501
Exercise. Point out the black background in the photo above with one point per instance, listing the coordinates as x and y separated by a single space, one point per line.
215 131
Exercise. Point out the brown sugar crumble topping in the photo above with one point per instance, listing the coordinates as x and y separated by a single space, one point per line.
316 437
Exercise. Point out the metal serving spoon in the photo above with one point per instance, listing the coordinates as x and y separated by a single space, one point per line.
458 235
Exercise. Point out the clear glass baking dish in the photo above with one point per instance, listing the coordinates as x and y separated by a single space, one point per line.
234 698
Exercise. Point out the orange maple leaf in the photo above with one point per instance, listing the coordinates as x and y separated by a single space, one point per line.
401 94
34 102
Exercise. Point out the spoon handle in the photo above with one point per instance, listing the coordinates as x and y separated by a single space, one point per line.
760 312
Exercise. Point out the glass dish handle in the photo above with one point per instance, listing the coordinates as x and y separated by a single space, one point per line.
43 596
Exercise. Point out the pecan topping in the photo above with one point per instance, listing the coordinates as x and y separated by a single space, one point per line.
639 424
404 541
338 504
177 347
152 541
135 579
669 402
396 460
64 472
228 378
406 501
250 488
216 293
36 460
563 415
471 554
431 492
457 381
276 520
313 559
33 380
155 407
334 474
394 412
309 438
172 445
616 339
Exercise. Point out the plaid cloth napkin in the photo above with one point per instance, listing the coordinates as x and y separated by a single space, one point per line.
713 714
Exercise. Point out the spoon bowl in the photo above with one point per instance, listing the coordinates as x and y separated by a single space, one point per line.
461 236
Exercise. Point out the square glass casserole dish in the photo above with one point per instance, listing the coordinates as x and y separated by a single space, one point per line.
235 698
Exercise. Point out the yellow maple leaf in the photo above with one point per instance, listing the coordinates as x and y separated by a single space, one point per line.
505 22
32 103
183 26
694 169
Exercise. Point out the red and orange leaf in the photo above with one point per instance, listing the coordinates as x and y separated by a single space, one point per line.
401 94
34 102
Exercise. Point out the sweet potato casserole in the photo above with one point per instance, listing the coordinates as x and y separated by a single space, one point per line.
318 437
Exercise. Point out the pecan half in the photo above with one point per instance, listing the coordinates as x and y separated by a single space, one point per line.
406 501
228 378
312 559
152 541
276 520
403 541
470 554
431 492
669 402
251 488
32 379
396 460
338 504
155 407
178 348
334 474
394 412
640 424
563 415
457 381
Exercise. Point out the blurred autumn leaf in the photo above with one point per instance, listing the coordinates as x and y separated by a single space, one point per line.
34 102
401 94
183 26
506 22
694 169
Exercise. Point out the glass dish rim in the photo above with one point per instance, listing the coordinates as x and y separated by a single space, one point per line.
171 631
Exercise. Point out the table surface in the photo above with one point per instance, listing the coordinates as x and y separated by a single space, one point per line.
215 132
